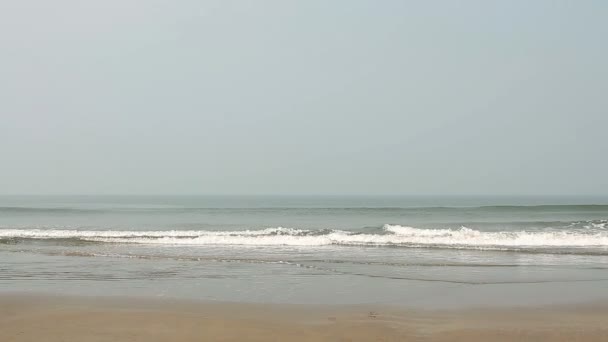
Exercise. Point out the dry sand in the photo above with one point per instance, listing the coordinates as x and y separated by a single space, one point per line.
50 319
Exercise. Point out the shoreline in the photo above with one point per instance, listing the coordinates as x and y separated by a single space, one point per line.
28 317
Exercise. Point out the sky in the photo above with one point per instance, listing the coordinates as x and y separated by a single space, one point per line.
304 97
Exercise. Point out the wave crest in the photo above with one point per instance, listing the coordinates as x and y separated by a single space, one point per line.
392 235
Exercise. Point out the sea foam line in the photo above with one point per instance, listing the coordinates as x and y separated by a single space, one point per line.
391 235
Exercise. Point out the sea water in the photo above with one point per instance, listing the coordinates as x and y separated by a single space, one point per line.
413 251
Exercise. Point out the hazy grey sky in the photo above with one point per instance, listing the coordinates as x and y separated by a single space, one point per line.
338 97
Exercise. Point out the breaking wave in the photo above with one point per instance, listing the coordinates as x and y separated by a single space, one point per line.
391 235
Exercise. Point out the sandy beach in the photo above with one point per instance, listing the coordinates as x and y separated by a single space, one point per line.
50 318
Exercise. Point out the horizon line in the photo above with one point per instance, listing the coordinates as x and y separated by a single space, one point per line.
296 195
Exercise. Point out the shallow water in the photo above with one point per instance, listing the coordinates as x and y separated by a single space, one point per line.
428 252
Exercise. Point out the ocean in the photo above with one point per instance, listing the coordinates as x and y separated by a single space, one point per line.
431 252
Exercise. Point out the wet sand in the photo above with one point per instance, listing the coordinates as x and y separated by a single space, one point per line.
86 319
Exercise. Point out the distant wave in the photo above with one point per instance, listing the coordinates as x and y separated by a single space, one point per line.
487 208
29 210
391 235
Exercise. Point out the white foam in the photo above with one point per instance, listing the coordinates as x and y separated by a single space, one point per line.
393 235
84 234
470 237
600 225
